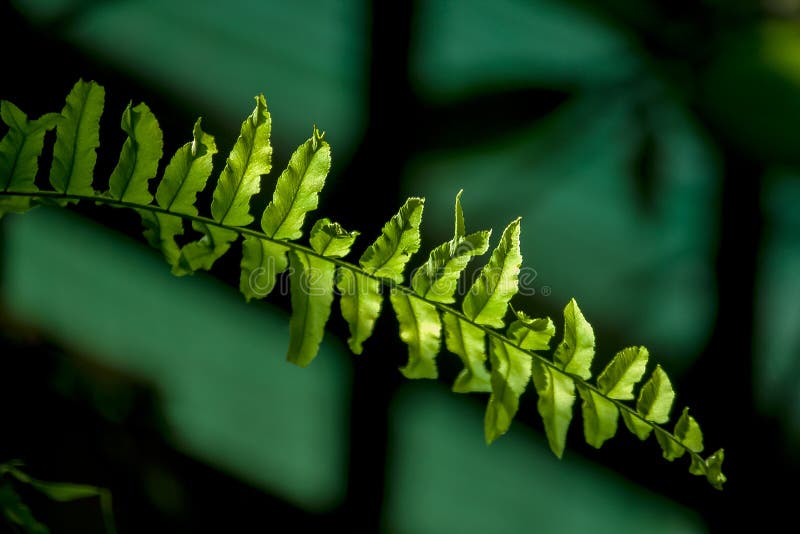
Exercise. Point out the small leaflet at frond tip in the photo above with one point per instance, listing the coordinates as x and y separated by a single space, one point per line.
710 467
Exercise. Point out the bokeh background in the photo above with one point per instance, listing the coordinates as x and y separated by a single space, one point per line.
651 149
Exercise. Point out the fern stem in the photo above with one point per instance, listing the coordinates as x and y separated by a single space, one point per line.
443 308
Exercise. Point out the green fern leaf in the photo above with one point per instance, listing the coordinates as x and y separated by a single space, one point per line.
361 301
531 334
511 371
241 178
262 262
655 401
623 372
297 190
438 278
687 436
576 350
202 254
688 432
187 173
311 280
238 182
421 330
330 239
140 155
711 468
556 397
714 469
77 138
185 176
19 154
600 416
671 448
399 239
468 342
486 302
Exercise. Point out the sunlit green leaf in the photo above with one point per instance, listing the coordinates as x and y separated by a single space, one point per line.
437 279
77 138
623 372
576 350
330 239
241 178
486 302
399 239
599 416
361 304
297 190
511 371
311 281
531 334
138 161
468 342
262 262
185 176
421 330
556 397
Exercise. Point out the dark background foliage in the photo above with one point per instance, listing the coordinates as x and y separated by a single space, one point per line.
651 148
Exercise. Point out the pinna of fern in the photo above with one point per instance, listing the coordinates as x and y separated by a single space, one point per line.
475 330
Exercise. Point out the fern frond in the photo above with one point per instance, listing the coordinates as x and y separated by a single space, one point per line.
423 310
